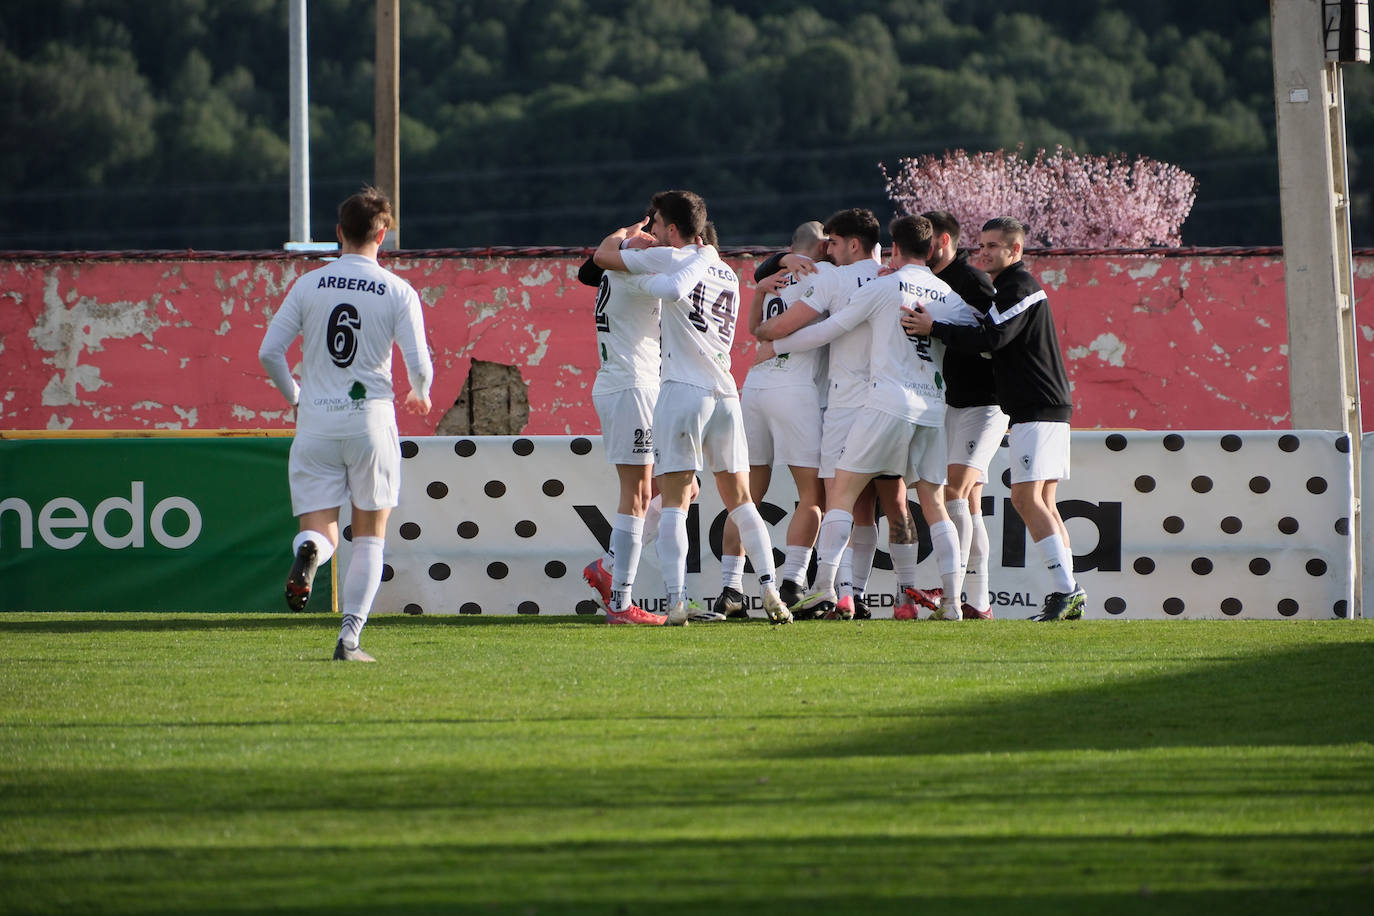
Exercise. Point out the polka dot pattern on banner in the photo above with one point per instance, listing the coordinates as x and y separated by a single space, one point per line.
1340 609
1288 607
1167 526
409 448
413 609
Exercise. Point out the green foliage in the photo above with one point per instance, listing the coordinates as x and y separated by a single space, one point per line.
221 763
775 110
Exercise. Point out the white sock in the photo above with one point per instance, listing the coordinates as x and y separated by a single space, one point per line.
963 525
844 576
672 553
758 546
360 586
944 542
976 573
323 549
794 570
864 541
625 546
830 545
651 517
1058 562
732 572
904 561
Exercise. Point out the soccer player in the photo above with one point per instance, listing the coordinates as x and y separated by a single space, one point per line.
900 429
852 246
349 314
1033 388
782 423
626 387
974 424
697 418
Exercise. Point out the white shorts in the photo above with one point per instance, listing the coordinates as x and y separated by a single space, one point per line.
783 426
627 425
835 425
327 473
1039 451
973 434
692 424
880 443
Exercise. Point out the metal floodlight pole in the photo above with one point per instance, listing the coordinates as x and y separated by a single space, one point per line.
388 110
1311 39
300 126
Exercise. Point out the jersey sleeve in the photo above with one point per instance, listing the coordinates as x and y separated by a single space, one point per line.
1000 326
410 337
657 260
284 327
676 285
823 332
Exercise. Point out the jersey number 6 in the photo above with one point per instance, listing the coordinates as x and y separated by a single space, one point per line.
342 334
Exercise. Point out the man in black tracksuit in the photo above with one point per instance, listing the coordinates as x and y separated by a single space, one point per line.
1033 389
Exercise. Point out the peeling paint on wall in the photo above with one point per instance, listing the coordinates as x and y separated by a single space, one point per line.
1162 343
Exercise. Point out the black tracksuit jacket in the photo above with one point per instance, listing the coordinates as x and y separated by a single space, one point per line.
1018 331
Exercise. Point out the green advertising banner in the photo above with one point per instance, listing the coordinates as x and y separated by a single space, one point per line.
146 524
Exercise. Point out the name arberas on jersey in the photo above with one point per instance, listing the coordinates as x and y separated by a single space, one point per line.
367 286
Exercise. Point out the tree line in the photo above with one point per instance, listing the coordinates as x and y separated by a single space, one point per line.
163 123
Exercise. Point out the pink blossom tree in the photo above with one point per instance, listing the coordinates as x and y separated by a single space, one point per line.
1066 200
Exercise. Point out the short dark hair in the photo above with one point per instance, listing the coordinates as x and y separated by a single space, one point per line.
683 209
708 234
912 235
1008 226
944 221
365 214
855 223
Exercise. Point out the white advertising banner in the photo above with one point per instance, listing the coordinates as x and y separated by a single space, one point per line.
1164 525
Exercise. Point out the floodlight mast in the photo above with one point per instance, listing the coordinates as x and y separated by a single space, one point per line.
1312 40
300 126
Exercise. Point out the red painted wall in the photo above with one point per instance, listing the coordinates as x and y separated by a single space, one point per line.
1152 343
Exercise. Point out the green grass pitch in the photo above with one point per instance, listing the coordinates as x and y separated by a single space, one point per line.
222 764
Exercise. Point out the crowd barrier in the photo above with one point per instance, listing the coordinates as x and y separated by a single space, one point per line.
1164 525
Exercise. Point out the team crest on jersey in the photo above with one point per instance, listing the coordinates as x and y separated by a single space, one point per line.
972 444
1026 461
357 392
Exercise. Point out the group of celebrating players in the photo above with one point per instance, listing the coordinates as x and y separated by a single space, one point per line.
864 372
868 378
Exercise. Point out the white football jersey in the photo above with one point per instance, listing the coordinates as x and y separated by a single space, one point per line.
698 328
348 313
626 334
828 293
906 376
789 369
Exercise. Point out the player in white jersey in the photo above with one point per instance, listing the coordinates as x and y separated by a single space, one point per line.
626 388
901 426
697 417
349 314
852 246
782 422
